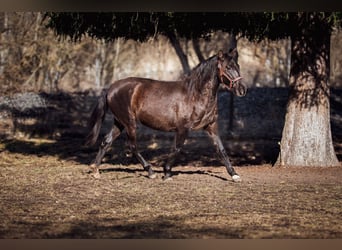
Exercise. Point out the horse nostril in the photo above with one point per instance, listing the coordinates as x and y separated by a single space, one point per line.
244 91
240 90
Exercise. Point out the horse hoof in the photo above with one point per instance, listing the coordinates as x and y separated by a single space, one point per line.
96 175
167 178
236 178
152 176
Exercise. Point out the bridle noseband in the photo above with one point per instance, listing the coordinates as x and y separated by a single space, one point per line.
224 74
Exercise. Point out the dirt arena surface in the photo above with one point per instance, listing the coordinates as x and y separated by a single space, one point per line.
47 192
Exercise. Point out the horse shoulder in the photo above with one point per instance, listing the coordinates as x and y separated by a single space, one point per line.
203 114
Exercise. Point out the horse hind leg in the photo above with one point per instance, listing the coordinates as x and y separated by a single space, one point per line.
131 134
105 145
179 141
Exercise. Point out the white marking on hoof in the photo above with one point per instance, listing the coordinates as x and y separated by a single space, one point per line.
96 175
167 178
152 176
236 178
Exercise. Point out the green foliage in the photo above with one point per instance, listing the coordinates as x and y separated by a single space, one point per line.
279 25
139 26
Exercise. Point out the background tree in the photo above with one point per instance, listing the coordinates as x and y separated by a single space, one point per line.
138 26
306 139
30 56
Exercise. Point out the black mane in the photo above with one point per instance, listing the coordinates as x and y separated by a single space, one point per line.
201 74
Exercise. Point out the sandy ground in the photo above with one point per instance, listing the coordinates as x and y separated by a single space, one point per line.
47 192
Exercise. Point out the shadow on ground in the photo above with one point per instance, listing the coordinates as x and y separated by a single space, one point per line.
159 228
196 152
63 118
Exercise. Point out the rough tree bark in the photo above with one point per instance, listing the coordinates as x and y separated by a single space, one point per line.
196 45
179 51
306 138
232 45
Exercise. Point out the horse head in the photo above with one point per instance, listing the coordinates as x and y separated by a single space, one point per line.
229 72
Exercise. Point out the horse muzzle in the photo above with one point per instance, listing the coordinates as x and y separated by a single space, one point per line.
239 89
234 85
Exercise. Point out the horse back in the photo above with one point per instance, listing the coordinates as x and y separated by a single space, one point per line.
154 103
162 105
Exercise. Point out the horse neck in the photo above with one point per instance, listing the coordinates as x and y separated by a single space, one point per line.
203 79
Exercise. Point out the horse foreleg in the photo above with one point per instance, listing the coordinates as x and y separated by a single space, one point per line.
179 141
105 145
213 133
131 133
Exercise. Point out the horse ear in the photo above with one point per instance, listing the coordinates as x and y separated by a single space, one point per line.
220 54
233 53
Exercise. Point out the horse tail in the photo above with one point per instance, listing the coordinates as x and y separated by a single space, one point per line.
96 118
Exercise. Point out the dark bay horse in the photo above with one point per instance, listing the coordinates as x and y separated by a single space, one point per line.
177 106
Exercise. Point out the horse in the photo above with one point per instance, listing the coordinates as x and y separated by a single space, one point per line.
170 106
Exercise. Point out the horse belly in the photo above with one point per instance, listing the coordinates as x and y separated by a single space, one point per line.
154 118
160 106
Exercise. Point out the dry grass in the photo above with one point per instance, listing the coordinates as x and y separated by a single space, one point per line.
45 194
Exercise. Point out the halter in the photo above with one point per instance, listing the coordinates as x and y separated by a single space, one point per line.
231 80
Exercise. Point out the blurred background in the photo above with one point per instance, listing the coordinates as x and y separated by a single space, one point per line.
32 58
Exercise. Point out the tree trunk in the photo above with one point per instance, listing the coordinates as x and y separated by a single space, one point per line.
182 57
306 139
196 44
232 45
116 58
